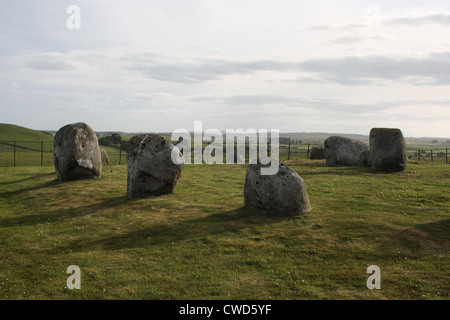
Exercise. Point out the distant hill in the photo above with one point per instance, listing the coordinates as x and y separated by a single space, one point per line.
320 137
10 132
304 137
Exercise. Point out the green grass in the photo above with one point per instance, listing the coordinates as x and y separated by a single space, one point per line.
201 243
26 141
115 156
12 132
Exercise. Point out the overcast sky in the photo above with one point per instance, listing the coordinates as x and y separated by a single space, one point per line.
296 66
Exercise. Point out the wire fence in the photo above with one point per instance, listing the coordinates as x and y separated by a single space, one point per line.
429 155
40 153
439 155
26 153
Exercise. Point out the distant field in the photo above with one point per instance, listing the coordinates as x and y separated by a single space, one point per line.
30 142
297 152
201 243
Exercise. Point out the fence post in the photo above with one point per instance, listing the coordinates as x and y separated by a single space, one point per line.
446 155
120 155
42 152
307 154
14 153
289 151
431 155
418 153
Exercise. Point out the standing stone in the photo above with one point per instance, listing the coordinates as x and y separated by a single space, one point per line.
150 168
76 153
317 153
364 158
342 151
387 150
281 194
104 156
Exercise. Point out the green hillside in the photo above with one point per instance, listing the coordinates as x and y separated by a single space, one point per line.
10 132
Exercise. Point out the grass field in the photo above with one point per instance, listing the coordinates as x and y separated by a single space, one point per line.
201 243
13 132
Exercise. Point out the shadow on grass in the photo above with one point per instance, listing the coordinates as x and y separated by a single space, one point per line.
64 214
427 236
341 171
37 176
422 239
47 184
191 230
348 171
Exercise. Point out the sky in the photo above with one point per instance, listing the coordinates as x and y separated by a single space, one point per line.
297 66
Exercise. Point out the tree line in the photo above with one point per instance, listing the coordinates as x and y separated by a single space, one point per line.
115 140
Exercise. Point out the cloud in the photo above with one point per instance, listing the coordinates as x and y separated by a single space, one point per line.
418 20
334 27
320 27
330 106
358 39
245 99
412 19
431 69
48 61
206 70
285 103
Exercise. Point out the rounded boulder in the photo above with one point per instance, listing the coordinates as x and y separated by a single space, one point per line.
343 151
76 153
150 168
283 193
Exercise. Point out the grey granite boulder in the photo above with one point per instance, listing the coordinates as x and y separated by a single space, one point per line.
317 153
364 158
283 193
387 150
104 156
343 151
150 168
76 153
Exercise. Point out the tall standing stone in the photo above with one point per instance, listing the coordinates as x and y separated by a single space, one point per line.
76 153
150 168
283 193
343 151
387 150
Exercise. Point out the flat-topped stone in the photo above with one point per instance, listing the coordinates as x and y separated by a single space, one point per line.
387 150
